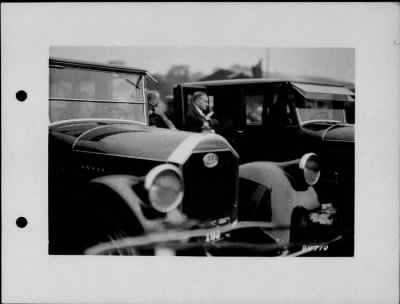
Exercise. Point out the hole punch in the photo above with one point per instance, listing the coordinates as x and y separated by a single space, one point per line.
21 95
21 222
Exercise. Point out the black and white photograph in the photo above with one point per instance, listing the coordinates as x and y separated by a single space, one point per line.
200 152
206 156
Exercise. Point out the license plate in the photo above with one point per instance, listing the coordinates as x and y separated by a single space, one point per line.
213 235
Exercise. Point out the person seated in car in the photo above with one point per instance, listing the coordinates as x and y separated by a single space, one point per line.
198 117
157 117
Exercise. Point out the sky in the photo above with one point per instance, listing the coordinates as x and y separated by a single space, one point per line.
335 63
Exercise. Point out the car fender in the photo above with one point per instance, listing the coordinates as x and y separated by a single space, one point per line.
101 209
110 209
283 198
123 187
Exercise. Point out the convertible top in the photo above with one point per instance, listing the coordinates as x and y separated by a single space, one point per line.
210 83
324 92
308 89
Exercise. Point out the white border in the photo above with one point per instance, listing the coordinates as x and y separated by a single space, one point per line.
30 275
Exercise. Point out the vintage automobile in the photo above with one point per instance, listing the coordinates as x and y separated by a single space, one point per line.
119 186
281 120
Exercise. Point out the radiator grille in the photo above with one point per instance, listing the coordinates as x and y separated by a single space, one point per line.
211 193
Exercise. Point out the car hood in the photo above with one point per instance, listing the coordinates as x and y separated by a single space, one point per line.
337 132
340 133
139 141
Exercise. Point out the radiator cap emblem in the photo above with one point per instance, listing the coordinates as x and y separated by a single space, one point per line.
210 160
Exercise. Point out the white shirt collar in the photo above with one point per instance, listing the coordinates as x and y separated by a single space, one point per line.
199 110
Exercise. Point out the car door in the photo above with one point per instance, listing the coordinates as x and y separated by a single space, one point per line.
254 144
269 123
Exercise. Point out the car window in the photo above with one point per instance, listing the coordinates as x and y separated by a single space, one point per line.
254 109
310 110
81 93
319 102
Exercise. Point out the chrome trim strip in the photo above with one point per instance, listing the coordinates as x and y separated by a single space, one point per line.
96 100
227 143
84 133
185 148
125 156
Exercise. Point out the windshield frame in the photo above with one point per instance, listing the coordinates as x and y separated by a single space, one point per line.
108 69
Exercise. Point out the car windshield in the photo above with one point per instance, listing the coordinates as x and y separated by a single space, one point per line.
82 93
311 110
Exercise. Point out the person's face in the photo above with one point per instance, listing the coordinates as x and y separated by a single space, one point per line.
202 102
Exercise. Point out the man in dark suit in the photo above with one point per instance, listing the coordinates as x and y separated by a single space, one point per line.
198 119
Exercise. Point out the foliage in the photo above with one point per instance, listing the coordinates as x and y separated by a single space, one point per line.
176 74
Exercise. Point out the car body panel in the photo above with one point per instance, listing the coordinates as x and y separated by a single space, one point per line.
283 196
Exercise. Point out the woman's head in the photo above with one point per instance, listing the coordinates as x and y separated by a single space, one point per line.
153 98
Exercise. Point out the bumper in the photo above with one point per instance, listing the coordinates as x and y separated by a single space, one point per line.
233 239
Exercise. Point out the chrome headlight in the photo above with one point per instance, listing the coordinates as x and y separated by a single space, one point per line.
164 184
310 166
